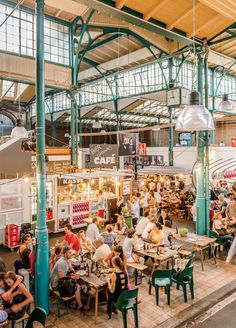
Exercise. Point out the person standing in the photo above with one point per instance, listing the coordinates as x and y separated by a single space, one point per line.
231 252
92 231
135 210
71 239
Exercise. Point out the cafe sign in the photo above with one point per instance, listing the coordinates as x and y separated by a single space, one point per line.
103 156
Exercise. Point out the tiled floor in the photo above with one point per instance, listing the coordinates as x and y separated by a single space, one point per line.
150 315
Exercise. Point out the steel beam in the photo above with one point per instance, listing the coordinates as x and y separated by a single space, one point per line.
108 7
41 232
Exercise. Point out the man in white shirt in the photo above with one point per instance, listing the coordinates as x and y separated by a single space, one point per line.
102 250
135 210
145 196
143 222
92 231
149 227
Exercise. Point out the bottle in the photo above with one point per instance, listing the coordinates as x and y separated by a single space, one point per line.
87 270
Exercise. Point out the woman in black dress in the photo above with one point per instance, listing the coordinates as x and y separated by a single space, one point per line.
117 283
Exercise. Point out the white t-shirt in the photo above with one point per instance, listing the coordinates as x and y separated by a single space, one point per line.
135 210
101 253
128 247
145 199
158 197
147 229
92 232
142 225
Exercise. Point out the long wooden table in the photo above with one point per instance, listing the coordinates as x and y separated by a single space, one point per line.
200 242
98 283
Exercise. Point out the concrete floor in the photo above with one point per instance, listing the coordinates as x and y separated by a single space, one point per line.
224 318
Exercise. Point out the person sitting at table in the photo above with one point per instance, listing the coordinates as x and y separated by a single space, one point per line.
142 223
56 254
168 234
117 283
128 248
220 227
231 210
151 199
164 217
222 205
21 299
86 244
102 250
62 269
24 261
71 239
109 236
149 226
156 236
138 242
121 227
92 231
118 251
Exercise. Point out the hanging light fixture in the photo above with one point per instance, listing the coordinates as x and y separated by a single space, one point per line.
194 117
225 105
97 125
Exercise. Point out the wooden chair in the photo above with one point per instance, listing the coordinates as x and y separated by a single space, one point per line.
64 299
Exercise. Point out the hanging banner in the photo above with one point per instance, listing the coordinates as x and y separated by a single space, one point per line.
103 156
142 149
128 144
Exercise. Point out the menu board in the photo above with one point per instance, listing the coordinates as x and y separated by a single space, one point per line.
126 187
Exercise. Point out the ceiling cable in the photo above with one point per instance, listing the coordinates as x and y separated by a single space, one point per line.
14 9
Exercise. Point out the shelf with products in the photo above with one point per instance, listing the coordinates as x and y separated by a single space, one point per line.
50 215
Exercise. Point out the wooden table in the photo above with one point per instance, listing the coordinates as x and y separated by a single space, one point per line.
159 258
200 242
98 283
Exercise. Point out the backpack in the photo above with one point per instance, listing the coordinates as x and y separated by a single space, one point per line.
66 287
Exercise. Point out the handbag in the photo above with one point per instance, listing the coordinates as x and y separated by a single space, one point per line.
66 287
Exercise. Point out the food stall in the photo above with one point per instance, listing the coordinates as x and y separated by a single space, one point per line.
70 198
160 174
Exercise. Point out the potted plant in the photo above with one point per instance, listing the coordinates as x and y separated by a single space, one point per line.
183 232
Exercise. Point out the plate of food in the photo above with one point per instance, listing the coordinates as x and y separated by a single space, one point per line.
81 273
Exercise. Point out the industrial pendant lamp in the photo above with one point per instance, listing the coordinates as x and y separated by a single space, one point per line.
97 125
194 117
225 105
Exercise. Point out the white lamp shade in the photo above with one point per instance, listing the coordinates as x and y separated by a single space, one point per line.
19 132
194 118
97 125
225 105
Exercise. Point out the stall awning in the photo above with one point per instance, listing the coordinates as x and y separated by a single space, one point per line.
167 170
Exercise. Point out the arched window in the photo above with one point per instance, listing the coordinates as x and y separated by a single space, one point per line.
6 125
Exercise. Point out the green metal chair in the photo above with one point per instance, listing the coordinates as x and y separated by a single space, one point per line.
184 279
38 315
213 234
127 301
161 278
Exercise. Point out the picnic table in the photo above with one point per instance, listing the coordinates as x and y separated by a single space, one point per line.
200 243
165 257
98 283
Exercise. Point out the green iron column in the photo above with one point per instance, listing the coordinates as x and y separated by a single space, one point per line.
171 136
27 119
171 130
115 99
41 231
74 143
53 123
200 174
207 180
213 102
159 133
